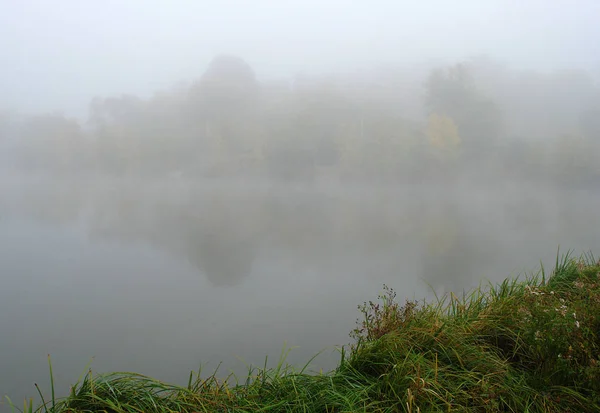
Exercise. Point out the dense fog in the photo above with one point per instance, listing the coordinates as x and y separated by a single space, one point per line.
217 169
269 192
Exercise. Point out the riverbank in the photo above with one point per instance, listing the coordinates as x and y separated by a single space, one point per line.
526 345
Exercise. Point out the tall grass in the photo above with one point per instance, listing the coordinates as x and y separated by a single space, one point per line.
529 345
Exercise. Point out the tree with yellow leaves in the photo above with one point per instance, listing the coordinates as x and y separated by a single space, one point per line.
444 144
442 132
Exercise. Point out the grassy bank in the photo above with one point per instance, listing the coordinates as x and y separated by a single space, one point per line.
527 345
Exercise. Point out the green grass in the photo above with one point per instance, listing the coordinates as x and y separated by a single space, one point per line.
524 345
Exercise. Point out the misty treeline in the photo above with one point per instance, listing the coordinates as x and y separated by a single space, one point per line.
471 122
476 117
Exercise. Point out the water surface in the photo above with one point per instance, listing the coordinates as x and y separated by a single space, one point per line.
159 277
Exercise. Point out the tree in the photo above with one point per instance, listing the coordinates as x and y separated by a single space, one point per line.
302 130
8 126
589 120
224 101
116 124
228 85
442 132
452 92
51 142
575 159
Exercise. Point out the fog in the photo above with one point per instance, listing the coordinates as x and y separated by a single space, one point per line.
56 55
188 183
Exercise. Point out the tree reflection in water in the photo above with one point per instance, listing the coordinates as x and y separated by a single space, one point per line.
452 239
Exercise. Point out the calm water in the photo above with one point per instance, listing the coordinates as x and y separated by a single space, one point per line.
160 277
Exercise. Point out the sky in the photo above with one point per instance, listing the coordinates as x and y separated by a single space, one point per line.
59 54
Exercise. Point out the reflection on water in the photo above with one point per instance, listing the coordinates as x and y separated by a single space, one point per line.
454 232
126 270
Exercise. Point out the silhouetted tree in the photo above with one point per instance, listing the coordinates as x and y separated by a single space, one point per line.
224 102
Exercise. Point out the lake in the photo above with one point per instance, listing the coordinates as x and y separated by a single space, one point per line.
161 276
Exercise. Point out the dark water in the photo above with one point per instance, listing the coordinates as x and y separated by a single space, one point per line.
159 277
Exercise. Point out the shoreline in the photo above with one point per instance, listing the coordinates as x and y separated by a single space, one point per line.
526 344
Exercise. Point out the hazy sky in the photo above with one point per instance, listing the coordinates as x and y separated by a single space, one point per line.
58 54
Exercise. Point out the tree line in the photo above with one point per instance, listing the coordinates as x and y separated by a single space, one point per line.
475 117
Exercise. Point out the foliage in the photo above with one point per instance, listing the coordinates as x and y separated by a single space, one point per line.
519 346
442 132
230 124
453 92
